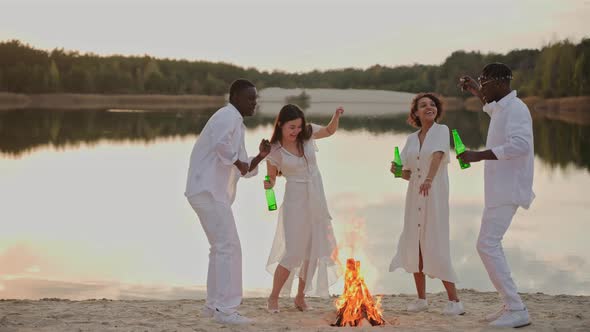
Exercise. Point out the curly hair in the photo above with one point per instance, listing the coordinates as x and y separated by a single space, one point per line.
413 119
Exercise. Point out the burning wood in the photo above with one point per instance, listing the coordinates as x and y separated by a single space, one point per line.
356 301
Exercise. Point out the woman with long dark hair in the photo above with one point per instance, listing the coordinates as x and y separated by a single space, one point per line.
304 243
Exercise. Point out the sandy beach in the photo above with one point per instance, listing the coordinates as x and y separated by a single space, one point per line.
548 313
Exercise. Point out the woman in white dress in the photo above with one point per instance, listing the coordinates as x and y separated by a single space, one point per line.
423 247
304 243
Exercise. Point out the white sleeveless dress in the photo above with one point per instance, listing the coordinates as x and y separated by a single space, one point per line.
304 241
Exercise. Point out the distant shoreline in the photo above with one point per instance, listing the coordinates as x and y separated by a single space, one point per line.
575 110
568 109
73 101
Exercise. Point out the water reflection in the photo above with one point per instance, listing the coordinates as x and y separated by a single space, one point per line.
90 210
24 130
557 143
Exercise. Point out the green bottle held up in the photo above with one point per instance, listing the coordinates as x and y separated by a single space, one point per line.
397 161
459 148
270 196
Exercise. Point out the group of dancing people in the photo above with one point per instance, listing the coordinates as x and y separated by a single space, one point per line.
304 242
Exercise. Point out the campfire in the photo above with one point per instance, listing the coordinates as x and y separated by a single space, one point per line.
356 303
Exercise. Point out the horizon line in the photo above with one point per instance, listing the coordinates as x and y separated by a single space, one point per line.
415 64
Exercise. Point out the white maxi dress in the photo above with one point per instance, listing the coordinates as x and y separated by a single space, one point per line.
304 241
426 219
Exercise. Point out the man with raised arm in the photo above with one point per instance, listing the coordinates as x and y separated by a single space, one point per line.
508 181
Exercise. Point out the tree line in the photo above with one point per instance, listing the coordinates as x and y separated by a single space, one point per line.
558 69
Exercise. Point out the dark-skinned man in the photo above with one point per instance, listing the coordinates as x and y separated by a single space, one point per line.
508 180
217 162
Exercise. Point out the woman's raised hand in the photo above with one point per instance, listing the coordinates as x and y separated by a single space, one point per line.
339 111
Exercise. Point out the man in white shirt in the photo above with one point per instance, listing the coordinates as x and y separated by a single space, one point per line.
508 181
217 161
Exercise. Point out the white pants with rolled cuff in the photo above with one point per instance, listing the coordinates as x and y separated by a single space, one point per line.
224 275
494 224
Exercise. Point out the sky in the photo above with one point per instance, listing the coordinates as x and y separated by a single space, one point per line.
294 36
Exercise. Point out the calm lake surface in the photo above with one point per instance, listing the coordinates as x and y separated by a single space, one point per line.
92 205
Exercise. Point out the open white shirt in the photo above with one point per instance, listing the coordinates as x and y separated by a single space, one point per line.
509 180
212 160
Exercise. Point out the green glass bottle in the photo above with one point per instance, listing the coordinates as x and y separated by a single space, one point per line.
397 161
270 196
459 148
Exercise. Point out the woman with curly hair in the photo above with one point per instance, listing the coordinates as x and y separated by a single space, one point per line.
424 247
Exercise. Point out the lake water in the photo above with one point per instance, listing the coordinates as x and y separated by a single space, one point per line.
92 206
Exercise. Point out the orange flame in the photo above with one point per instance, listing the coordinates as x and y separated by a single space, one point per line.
356 301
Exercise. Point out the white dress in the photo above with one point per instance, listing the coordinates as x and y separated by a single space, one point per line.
304 234
426 219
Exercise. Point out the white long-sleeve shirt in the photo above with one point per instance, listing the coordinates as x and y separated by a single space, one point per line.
509 180
219 145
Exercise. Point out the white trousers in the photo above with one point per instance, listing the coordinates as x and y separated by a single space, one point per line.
494 224
224 276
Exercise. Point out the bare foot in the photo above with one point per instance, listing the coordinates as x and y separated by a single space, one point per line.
272 305
300 303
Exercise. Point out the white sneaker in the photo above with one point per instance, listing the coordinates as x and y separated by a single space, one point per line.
207 312
234 318
495 315
513 318
417 305
453 309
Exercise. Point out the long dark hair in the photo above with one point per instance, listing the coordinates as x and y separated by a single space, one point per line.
288 113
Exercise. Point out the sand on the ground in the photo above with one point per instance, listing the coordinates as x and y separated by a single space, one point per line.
548 313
